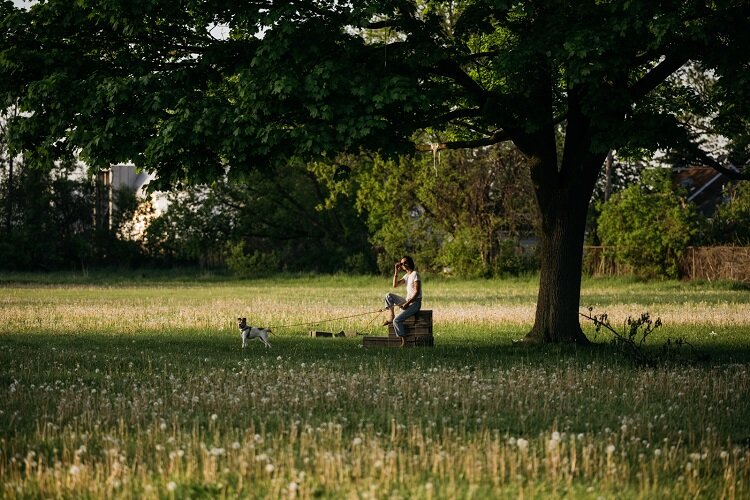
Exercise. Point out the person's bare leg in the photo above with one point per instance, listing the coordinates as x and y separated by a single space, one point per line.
391 315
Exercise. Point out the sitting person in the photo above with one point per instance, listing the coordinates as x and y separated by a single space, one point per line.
413 301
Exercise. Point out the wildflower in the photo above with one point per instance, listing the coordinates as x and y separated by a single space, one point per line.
357 441
292 486
270 468
74 470
523 444
171 486
235 445
610 449
214 417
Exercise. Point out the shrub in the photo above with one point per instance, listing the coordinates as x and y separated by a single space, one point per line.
731 223
463 253
253 265
649 226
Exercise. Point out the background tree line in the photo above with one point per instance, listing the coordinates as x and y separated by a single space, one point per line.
468 213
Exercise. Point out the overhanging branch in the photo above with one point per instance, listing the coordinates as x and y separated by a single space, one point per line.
656 76
453 71
496 138
730 171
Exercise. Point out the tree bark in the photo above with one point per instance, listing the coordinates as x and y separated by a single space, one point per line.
561 254
563 191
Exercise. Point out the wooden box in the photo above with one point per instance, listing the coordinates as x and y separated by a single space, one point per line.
419 324
418 333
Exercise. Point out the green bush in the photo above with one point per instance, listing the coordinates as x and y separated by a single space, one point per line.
463 253
649 226
731 223
513 259
252 265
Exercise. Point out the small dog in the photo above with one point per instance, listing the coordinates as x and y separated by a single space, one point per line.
252 332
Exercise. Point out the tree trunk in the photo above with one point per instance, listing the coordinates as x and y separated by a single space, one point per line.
609 168
561 255
9 211
563 190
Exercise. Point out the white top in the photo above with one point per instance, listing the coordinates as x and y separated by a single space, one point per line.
410 279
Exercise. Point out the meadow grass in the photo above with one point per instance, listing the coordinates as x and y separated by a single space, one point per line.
136 386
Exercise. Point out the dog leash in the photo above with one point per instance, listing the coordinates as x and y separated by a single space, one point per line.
326 320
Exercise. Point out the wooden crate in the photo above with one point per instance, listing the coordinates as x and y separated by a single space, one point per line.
395 341
419 324
418 333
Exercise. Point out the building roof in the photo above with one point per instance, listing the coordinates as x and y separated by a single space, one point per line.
704 187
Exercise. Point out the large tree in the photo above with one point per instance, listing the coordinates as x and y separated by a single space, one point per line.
152 82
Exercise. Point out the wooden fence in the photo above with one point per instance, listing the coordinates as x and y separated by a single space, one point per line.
701 263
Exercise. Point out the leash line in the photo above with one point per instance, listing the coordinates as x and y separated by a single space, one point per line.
325 320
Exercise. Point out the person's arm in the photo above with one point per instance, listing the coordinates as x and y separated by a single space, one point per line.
409 300
396 280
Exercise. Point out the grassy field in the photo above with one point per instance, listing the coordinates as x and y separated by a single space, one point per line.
136 387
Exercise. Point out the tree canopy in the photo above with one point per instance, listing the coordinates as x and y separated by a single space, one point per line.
152 83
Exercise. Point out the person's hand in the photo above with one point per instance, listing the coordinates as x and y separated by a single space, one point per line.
397 267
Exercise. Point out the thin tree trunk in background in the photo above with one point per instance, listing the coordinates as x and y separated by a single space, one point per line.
609 169
9 201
